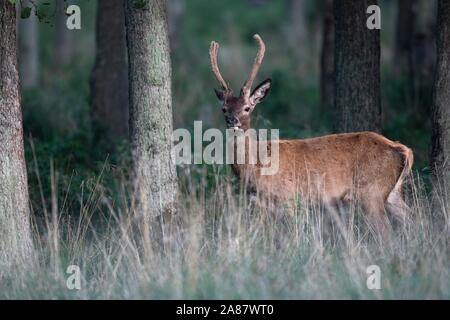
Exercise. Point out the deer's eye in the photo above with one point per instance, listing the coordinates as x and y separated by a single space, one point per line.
224 110
247 109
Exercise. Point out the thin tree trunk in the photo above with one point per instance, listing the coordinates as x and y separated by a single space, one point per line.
327 57
64 48
15 234
297 33
151 107
28 49
109 80
405 31
426 16
175 9
404 51
357 68
424 55
440 152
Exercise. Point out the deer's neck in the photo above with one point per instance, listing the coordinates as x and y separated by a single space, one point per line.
244 169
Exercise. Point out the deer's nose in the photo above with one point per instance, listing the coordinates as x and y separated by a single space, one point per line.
232 121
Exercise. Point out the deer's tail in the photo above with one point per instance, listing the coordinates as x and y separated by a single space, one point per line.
408 159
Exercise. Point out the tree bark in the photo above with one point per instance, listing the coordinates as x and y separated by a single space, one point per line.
15 234
109 79
440 151
327 57
149 75
28 49
357 68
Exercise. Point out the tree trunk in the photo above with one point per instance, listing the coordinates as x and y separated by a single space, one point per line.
426 16
440 152
357 68
28 49
109 80
15 234
405 30
424 55
64 48
151 107
297 33
327 57
175 9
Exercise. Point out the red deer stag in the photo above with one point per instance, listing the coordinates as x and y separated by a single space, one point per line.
332 169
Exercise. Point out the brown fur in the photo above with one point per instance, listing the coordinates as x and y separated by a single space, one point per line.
336 167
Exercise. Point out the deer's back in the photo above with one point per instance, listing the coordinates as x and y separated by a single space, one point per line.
335 166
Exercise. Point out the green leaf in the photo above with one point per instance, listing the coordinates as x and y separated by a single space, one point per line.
25 12
12 1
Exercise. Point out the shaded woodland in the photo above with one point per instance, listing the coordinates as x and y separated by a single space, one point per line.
86 122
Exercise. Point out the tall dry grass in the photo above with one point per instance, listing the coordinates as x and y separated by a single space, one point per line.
219 247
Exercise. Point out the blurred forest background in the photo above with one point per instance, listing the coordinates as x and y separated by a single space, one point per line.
56 106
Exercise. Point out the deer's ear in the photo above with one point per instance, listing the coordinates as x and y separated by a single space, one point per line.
260 92
220 95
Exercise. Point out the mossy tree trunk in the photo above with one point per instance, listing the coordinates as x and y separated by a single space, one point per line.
109 79
15 234
440 152
150 93
357 68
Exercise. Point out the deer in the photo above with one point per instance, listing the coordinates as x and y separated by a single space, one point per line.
333 169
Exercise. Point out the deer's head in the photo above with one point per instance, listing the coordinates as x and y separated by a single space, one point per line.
237 109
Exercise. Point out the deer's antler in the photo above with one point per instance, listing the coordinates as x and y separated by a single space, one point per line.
259 57
215 68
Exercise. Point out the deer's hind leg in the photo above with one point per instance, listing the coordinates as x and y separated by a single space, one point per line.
373 204
396 206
